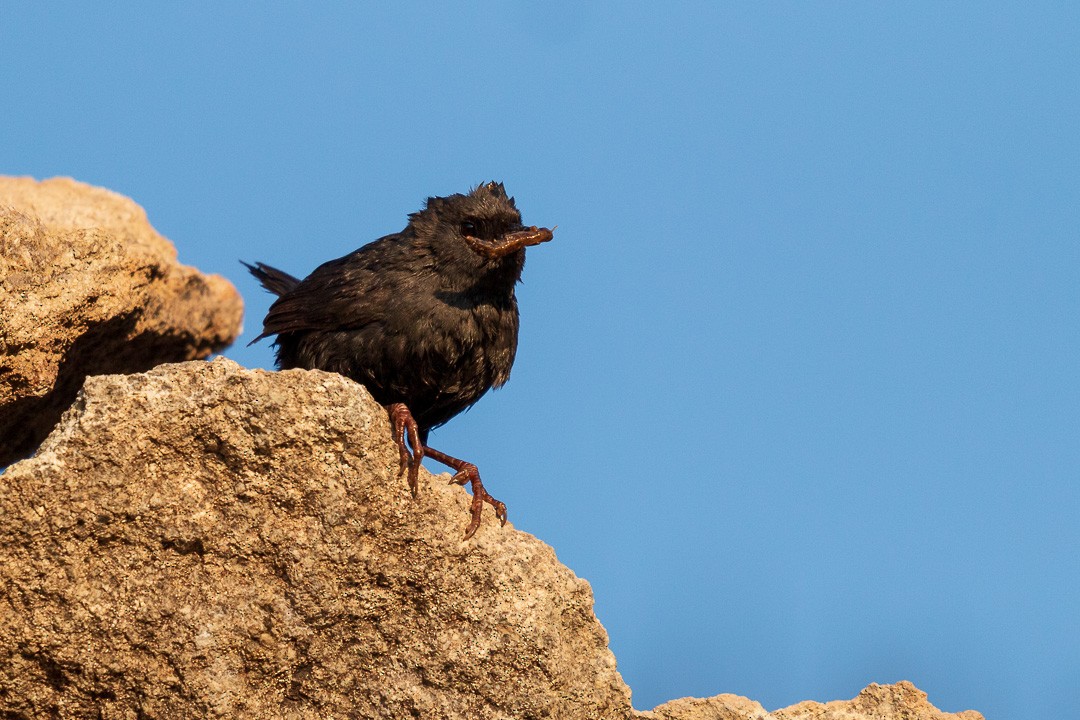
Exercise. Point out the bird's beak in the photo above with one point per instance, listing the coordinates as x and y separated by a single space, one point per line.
509 243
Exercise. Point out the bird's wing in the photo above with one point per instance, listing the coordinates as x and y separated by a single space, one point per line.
343 294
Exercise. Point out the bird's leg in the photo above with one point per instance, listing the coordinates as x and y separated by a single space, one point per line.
405 427
466 472
407 431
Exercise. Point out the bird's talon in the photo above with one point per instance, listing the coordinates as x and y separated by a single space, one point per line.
474 525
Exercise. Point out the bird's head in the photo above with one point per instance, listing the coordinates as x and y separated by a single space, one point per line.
486 223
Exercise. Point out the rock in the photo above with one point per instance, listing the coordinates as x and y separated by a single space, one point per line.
902 701
203 540
719 707
88 287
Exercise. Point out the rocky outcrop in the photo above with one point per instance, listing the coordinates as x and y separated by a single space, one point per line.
902 701
88 287
203 540
718 707
207 541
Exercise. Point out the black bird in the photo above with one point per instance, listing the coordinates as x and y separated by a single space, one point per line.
426 319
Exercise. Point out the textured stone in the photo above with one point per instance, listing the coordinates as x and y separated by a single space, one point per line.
203 540
719 707
207 541
87 287
902 701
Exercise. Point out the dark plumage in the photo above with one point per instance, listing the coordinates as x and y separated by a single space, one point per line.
426 318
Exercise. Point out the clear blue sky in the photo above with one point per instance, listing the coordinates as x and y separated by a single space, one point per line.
798 386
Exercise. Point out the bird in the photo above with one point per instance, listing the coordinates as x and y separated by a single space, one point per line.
426 319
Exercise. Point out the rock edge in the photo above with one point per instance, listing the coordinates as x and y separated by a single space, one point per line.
88 287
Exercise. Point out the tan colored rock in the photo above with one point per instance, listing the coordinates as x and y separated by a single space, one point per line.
87 287
902 701
207 541
203 540
719 707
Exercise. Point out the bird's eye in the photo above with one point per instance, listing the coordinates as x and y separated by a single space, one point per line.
468 227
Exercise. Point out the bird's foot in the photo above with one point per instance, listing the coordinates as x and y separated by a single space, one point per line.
407 435
405 428
466 472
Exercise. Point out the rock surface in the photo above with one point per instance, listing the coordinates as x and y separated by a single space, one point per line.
87 287
902 701
718 707
207 541
203 540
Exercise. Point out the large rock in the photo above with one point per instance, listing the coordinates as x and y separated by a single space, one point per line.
207 541
88 287
204 540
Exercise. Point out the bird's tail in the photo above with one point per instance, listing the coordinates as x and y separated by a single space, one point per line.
274 280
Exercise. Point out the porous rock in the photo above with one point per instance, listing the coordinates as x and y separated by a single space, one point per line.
87 287
203 540
718 707
900 701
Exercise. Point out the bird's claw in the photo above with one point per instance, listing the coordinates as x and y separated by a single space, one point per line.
479 498
407 435
466 472
470 474
405 428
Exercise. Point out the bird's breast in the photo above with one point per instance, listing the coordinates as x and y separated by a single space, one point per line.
475 344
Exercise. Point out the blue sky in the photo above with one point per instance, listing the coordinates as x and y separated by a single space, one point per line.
797 384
